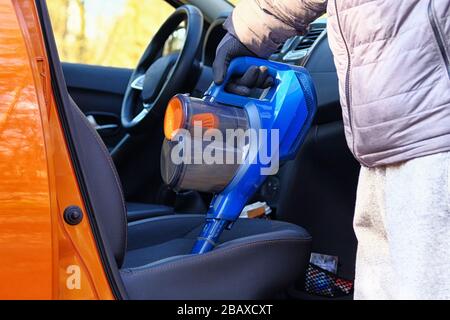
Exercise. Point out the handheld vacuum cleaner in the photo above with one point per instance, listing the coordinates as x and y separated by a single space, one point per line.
245 137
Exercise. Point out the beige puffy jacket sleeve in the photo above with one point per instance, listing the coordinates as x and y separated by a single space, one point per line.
262 25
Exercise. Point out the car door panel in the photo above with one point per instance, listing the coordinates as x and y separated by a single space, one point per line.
99 92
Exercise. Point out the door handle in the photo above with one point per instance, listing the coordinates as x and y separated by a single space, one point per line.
106 127
103 127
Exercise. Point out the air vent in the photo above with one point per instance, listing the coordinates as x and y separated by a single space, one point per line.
310 38
280 48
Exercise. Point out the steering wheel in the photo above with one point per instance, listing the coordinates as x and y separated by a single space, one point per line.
157 79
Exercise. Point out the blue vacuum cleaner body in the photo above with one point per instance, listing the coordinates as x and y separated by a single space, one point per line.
285 111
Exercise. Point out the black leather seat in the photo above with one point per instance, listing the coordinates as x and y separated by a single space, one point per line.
255 260
141 211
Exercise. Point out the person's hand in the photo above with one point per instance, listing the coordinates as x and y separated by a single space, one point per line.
229 49
254 78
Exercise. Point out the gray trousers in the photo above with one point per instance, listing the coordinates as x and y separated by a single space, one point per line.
402 223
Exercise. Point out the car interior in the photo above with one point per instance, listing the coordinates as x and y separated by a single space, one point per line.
113 120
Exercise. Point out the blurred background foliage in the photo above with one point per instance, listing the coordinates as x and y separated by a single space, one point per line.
108 33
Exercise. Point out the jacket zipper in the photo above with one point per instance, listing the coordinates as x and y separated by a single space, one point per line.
438 35
347 77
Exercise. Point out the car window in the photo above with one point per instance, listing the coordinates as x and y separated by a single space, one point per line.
109 33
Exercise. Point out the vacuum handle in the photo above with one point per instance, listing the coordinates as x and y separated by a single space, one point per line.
240 66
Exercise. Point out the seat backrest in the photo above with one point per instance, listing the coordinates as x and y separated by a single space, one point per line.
102 183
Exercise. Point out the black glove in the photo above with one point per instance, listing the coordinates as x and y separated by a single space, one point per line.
254 78
228 49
